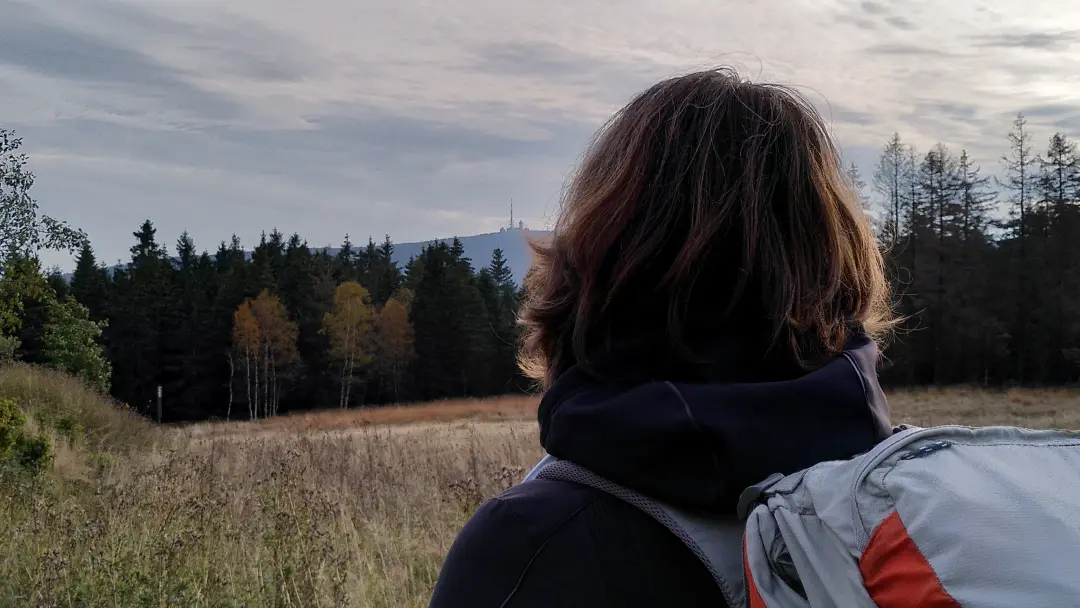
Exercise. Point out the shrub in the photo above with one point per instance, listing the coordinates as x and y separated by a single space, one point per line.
71 344
12 421
9 345
33 453
68 427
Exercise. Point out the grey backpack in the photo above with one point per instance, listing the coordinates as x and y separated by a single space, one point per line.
931 517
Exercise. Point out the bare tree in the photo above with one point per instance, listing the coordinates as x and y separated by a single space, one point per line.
1019 166
888 182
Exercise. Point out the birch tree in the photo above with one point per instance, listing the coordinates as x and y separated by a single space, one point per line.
277 347
349 326
246 340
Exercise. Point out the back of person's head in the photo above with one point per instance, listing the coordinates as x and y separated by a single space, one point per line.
708 206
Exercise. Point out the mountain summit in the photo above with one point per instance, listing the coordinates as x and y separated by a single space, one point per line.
478 248
513 242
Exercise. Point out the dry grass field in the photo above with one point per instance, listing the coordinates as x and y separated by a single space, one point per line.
353 508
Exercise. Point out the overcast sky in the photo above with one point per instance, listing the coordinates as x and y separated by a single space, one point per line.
422 119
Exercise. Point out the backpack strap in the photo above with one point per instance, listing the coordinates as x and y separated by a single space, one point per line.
717 542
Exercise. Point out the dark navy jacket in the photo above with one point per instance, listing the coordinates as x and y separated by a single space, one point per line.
693 437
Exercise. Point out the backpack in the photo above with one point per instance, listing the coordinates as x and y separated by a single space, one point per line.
931 517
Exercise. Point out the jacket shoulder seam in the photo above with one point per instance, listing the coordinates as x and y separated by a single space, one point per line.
858 374
540 549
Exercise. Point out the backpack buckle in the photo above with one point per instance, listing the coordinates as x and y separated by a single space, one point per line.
753 495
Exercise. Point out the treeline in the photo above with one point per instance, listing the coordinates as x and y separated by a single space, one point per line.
287 328
987 270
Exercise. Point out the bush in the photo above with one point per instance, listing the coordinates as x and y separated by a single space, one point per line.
12 421
71 344
33 453
9 345
68 427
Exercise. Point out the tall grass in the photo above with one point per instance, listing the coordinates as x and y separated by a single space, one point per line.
335 509
66 406
209 517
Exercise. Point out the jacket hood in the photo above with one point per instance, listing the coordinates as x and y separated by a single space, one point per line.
696 440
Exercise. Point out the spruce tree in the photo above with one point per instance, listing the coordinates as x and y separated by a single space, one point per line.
90 284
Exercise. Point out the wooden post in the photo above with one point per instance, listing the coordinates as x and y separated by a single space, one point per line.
159 404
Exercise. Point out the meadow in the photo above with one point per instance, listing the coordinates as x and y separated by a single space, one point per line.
338 508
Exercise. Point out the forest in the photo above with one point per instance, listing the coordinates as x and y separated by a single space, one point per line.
288 328
985 264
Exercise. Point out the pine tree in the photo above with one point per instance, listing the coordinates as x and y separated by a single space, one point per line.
389 279
345 263
307 290
139 317
500 272
414 272
449 322
59 285
187 349
90 284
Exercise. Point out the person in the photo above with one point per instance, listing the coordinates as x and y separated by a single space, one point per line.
707 312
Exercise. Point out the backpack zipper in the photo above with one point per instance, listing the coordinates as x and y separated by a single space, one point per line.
929 448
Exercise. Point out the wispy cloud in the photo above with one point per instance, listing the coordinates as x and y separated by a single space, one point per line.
422 119
1046 41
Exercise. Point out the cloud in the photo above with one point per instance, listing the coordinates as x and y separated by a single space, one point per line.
1046 41
33 42
845 115
233 43
874 8
948 110
873 13
901 49
1051 110
901 23
424 119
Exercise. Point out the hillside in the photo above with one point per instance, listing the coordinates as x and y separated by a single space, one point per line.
478 248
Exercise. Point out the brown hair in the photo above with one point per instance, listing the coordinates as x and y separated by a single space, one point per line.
707 204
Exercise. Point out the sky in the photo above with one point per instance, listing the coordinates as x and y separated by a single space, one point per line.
423 119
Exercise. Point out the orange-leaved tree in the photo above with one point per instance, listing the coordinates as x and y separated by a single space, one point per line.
279 353
349 326
265 338
393 342
246 339
405 297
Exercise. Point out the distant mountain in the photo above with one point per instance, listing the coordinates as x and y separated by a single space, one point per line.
478 248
